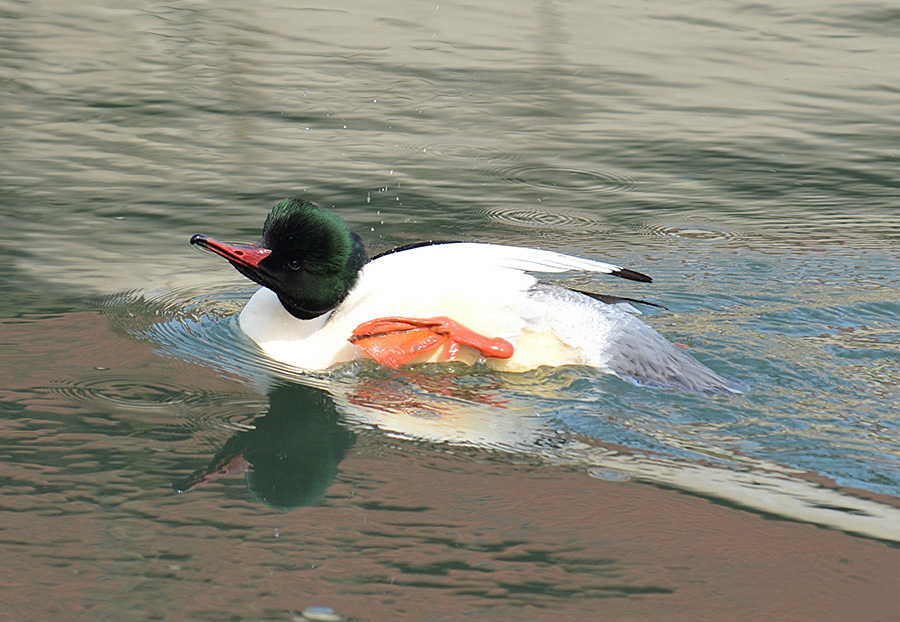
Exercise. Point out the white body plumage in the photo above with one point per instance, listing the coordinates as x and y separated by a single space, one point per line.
488 288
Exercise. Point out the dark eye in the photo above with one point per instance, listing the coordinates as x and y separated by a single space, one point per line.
294 264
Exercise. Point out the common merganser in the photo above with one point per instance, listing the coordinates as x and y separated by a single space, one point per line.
323 302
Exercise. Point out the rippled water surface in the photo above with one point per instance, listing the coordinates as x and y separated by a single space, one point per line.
743 154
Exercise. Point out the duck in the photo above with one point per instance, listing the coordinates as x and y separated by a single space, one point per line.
324 302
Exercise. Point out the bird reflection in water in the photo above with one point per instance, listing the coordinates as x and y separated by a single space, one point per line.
290 456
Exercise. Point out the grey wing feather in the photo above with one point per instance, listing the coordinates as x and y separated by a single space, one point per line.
620 342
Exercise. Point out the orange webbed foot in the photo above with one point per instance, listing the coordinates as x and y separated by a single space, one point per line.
395 341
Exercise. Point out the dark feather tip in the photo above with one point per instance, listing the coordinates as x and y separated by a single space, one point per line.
632 275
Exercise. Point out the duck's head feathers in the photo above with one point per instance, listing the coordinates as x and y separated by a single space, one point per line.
306 255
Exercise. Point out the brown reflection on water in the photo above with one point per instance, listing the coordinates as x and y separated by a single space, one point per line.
550 538
407 532
42 350
414 535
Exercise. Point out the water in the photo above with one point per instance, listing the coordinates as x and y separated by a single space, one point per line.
744 155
